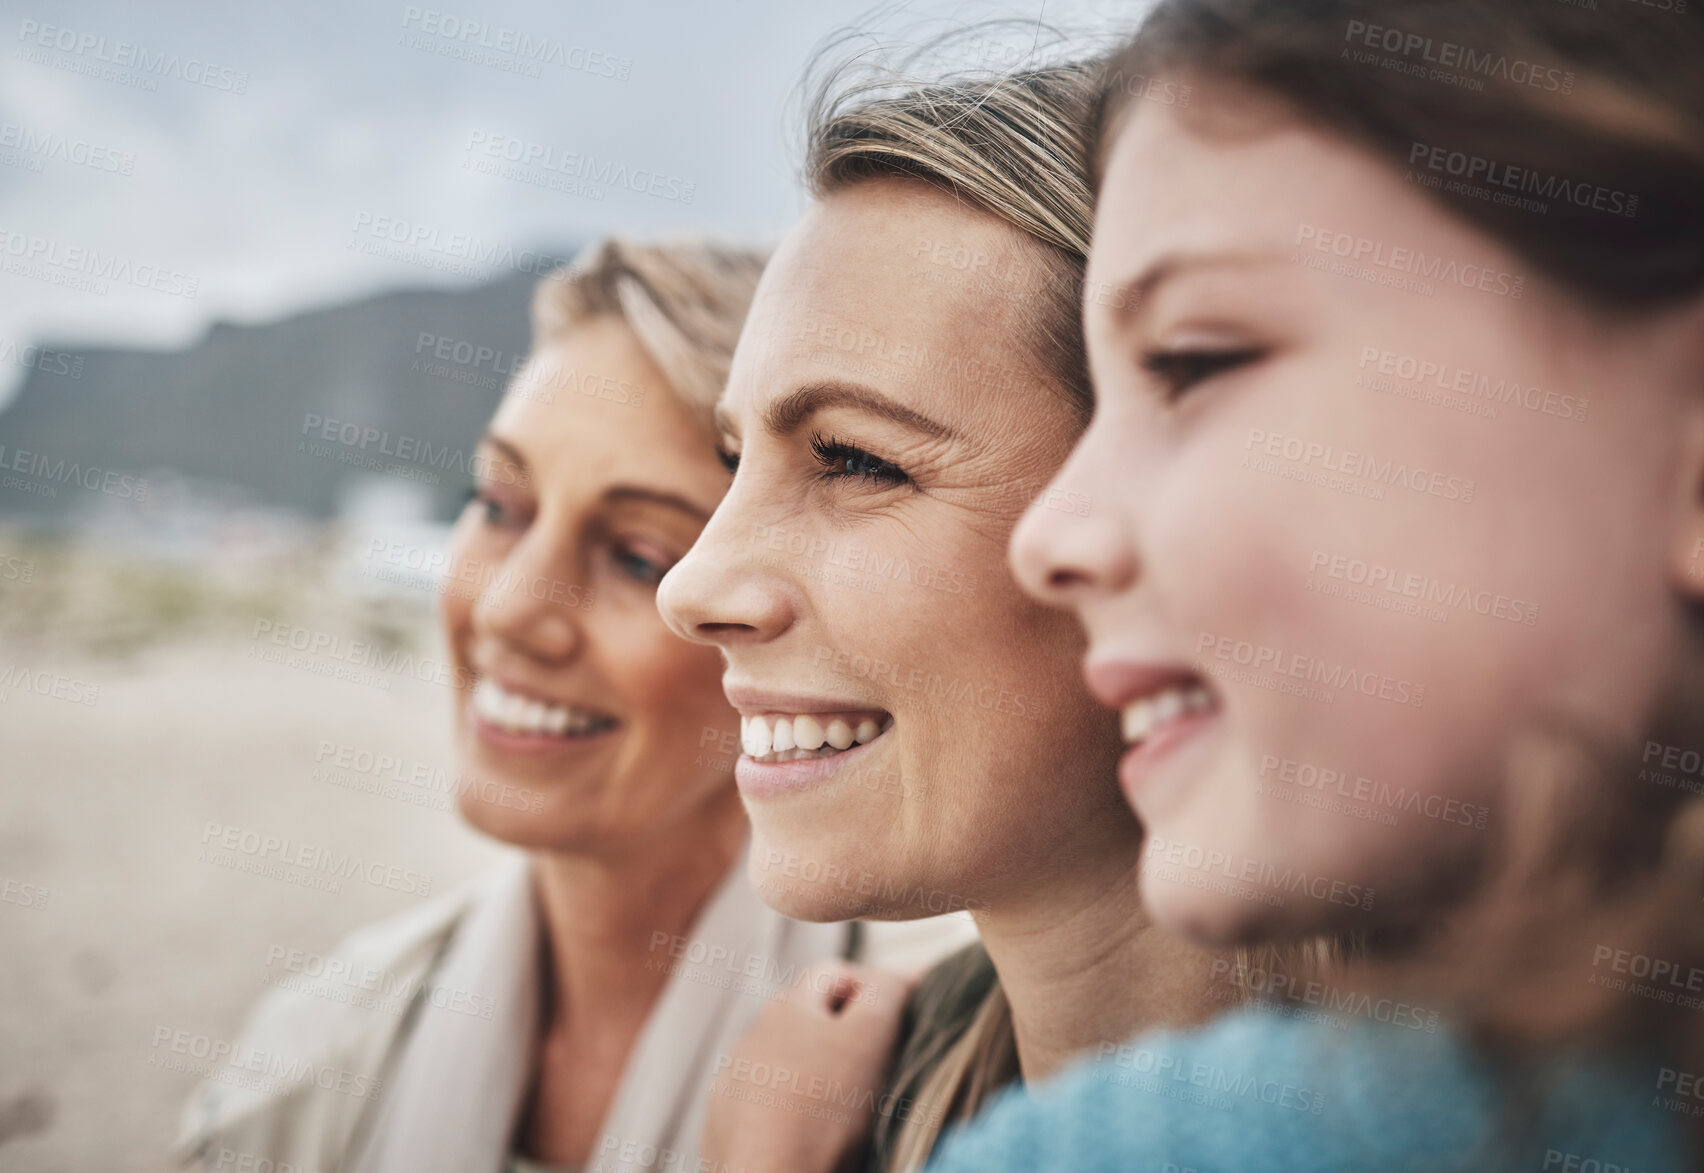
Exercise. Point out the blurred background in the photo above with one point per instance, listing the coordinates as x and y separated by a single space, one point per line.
264 274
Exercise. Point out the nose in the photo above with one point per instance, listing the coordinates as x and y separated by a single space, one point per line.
527 603
731 588
1073 543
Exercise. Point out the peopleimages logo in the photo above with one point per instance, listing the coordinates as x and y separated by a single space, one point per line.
42 147
359 654
128 55
410 241
1256 873
493 149
1357 466
88 269
1473 386
1415 585
1400 260
1448 55
1301 671
45 473
274 855
528 52
1525 180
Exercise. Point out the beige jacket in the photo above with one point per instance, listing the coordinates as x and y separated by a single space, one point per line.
409 1049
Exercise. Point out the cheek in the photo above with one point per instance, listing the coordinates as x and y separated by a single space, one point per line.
1315 671
673 687
456 601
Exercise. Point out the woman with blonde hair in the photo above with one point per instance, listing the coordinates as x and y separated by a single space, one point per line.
568 1008
911 374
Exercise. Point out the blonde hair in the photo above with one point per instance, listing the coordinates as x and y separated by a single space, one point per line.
974 1066
1015 146
684 300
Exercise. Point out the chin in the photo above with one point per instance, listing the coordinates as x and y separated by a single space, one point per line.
1210 920
517 826
801 885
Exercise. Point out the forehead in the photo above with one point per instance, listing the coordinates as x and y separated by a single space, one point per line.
594 401
897 284
1229 173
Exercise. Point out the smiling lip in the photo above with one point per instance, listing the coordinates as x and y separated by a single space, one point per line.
768 779
574 727
1163 709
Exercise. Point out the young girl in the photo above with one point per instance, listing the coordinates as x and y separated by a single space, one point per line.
1398 454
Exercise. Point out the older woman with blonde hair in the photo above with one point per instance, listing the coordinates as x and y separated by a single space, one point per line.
566 1009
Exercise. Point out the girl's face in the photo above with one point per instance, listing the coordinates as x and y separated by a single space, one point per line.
917 736
581 727
1368 497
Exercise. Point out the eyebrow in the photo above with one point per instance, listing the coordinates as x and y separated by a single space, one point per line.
1130 298
506 448
615 494
619 494
793 409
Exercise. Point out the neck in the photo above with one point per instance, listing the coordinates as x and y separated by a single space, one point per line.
1082 966
602 913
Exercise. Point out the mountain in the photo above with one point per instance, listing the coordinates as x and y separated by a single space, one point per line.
292 415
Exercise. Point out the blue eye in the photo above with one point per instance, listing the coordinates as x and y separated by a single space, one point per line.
840 459
638 567
492 511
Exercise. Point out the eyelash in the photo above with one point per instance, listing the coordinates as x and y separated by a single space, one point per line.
1180 370
487 504
729 458
839 459
625 558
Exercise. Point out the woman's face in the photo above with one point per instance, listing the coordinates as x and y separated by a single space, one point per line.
581 725
1368 498
890 425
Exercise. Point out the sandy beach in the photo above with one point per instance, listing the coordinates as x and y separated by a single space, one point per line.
136 794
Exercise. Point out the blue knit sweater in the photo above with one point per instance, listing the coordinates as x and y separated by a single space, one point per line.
1258 1093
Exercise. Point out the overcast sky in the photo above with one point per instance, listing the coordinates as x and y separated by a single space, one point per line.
241 154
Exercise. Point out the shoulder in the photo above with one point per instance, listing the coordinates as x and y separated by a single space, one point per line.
1257 1091
336 1014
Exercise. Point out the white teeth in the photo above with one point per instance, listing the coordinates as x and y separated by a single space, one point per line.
497 706
1138 720
807 732
1141 718
803 735
754 736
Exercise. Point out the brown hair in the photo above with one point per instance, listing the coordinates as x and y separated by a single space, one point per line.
1578 98
684 300
1593 855
1015 146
